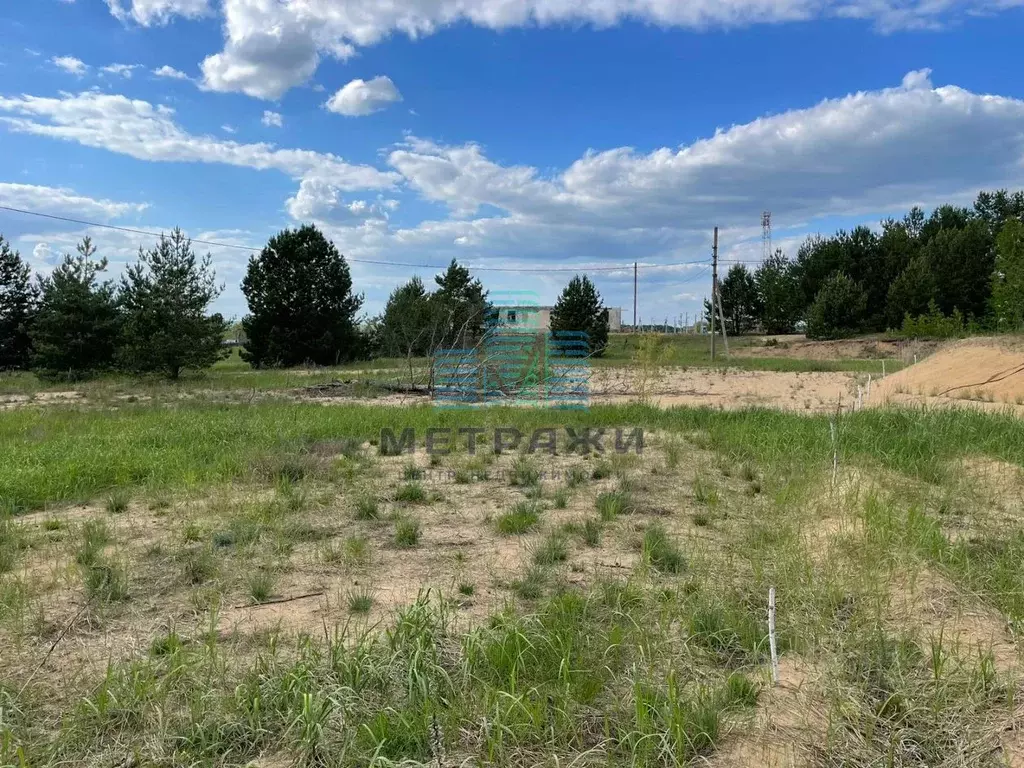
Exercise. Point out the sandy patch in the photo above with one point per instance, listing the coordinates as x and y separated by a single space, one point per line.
730 388
790 723
802 348
988 372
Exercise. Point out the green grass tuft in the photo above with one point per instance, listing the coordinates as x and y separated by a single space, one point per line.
523 517
660 551
407 533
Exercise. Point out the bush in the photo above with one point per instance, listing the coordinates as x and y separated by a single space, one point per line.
838 309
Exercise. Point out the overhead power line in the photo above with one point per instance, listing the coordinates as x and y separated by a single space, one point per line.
250 248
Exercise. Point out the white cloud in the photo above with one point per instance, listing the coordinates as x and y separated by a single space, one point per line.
865 152
273 45
146 132
229 129
364 97
65 202
318 199
70 64
150 12
863 155
42 254
272 119
124 70
170 72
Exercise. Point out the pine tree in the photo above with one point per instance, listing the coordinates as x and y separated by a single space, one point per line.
461 304
580 308
911 292
778 293
740 301
164 299
18 299
405 325
301 305
838 309
78 324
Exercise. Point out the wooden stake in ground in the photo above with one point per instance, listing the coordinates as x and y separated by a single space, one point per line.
771 636
833 428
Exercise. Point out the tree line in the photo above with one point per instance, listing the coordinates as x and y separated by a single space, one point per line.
955 270
156 319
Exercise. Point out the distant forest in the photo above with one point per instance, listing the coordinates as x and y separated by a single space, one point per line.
955 271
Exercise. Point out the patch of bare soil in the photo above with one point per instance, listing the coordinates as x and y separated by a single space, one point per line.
700 387
983 372
729 388
790 723
801 348
8 402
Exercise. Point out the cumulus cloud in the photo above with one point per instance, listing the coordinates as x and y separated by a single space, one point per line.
364 97
148 132
864 152
61 201
170 72
151 12
70 64
318 199
272 119
124 70
269 49
42 254
273 45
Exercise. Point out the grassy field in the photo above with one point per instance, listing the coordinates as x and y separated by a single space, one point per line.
260 584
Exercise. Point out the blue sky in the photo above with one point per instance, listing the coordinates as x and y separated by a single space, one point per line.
505 133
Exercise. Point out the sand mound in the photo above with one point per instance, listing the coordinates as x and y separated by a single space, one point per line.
986 370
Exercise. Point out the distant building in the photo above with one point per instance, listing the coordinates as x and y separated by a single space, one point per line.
526 317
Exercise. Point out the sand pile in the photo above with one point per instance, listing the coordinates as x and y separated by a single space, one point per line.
985 370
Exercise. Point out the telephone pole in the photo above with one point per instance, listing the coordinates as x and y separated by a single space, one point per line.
714 289
634 298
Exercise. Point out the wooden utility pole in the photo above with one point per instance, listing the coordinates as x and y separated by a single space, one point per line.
714 289
634 298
